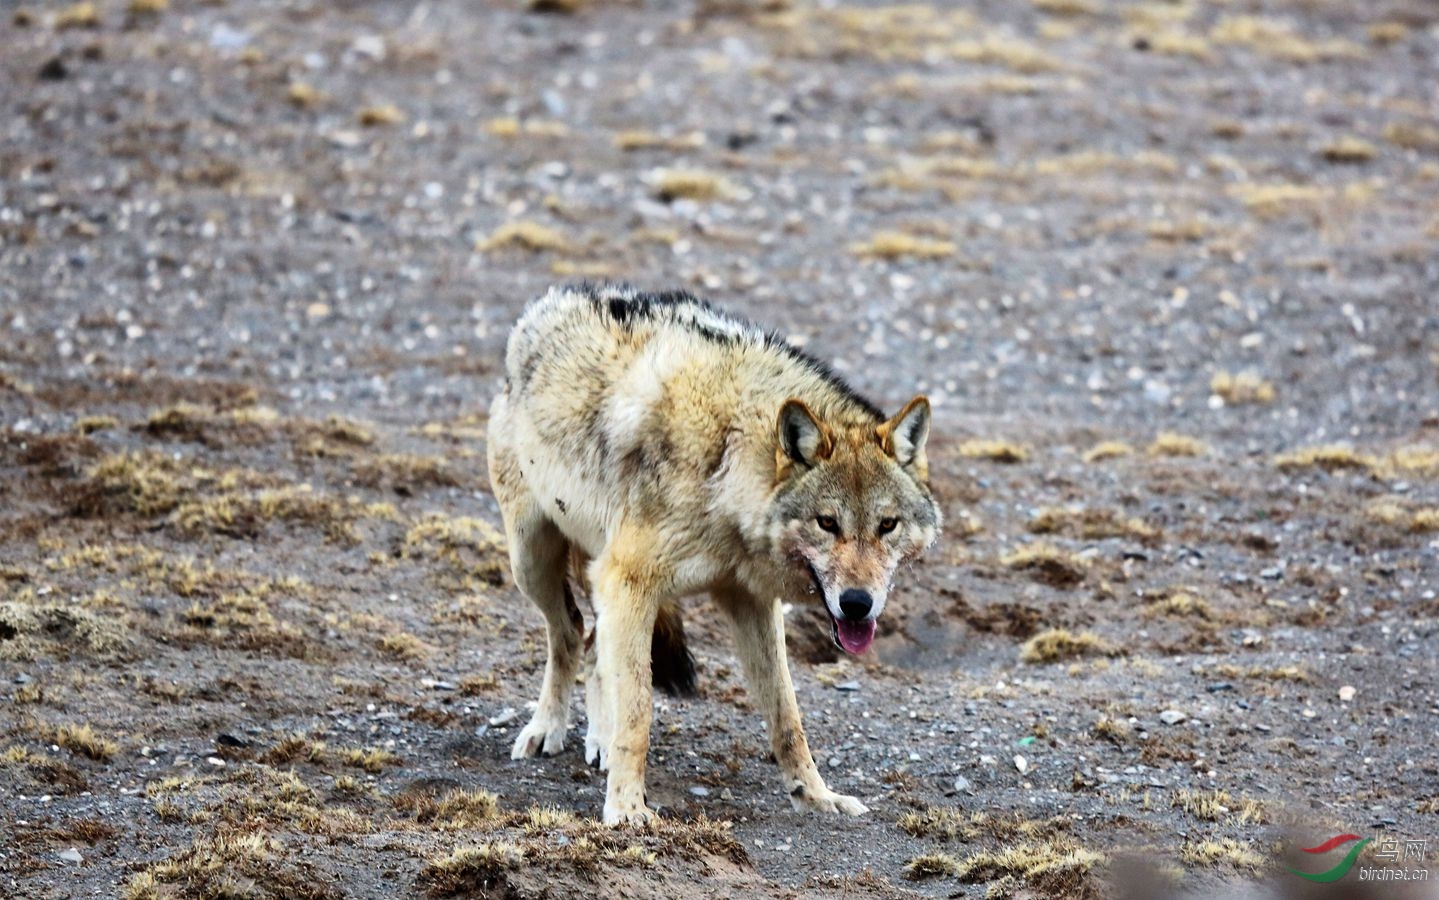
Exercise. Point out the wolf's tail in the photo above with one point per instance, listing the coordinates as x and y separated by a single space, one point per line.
672 666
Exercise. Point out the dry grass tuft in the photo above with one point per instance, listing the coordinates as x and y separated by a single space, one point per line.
639 139
1179 603
1090 524
80 15
1225 851
555 6
1348 149
471 870
1057 867
1170 444
1176 42
1274 201
994 451
1218 805
1107 450
524 235
690 184
1047 564
1412 136
82 740
933 865
452 811
509 127
1245 387
33 630
1059 644
1279 40
405 473
229 866
1403 515
1329 457
893 245
371 759
303 95
381 115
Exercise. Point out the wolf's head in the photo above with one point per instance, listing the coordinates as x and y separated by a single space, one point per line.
853 502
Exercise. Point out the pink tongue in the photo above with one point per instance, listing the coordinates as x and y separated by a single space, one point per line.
855 637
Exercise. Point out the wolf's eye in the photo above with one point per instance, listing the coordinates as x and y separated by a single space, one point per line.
887 525
827 523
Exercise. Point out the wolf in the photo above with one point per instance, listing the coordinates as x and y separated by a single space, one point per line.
660 447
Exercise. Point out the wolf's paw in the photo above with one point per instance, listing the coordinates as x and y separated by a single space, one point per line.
826 800
597 751
628 814
542 735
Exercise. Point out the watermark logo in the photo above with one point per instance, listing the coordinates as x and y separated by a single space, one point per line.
1388 852
1345 864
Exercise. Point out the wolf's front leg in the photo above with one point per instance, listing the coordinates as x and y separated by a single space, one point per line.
759 638
625 608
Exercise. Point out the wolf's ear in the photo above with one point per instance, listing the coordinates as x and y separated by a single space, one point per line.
803 439
903 436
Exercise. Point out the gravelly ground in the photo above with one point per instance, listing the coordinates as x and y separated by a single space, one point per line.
1167 269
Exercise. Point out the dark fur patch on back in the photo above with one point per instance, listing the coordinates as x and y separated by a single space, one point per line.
625 306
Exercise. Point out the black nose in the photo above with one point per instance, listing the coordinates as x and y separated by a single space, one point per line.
855 604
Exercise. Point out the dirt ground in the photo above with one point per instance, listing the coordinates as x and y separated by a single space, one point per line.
1167 269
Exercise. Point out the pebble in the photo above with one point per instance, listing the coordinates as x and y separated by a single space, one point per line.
1346 693
1218 686
847 686
71 855
834 762
1021 764
726 794
700 791
505 716
1273 573
434 685
1172 717
215 761
962 785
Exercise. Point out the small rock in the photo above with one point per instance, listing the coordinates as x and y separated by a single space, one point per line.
962 785
834 762
847 686
1309 714
22 678
1346 693
54 70
505 716
71 855
1021 764
1172 717
434 685
229 740
1273 573
1218 686
727 795
215 761
700 791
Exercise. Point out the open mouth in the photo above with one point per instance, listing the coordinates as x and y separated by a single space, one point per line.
849 636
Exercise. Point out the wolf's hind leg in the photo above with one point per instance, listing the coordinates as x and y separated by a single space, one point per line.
538 554
759 639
